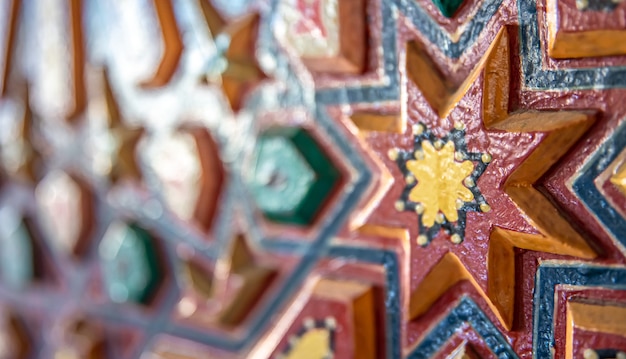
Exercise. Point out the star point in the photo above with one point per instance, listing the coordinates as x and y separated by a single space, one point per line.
125 165
562 128
442 185
619 178
441 93
243 72
237 272
27 165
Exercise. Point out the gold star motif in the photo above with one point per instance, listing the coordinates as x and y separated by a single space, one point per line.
125 165
439 182
557 236
440 174
242 72
27 165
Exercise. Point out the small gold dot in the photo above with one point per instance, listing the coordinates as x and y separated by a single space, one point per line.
459 204
422 240
438 144
419 155
309 323
293 340
486 158
330 323
393 154
620 355
418 129
456 239
419 208
458 156
459 126
484 207
399 206
590 354
469 182
409 179
439 218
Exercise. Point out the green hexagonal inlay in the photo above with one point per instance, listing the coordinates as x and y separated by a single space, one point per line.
292 176
129 263
275 181
448 7
17 267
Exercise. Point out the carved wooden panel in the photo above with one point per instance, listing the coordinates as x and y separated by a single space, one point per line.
258 179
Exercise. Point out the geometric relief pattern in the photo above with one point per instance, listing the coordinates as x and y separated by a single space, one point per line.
431 163
592 192
549 277
465 312
319 178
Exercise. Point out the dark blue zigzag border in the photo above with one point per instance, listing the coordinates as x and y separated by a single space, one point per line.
389 91
393 308
319 247
551 274
425 24
467 311
440 37
536 78
586 189
534 75
311 253
387 258
314 251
